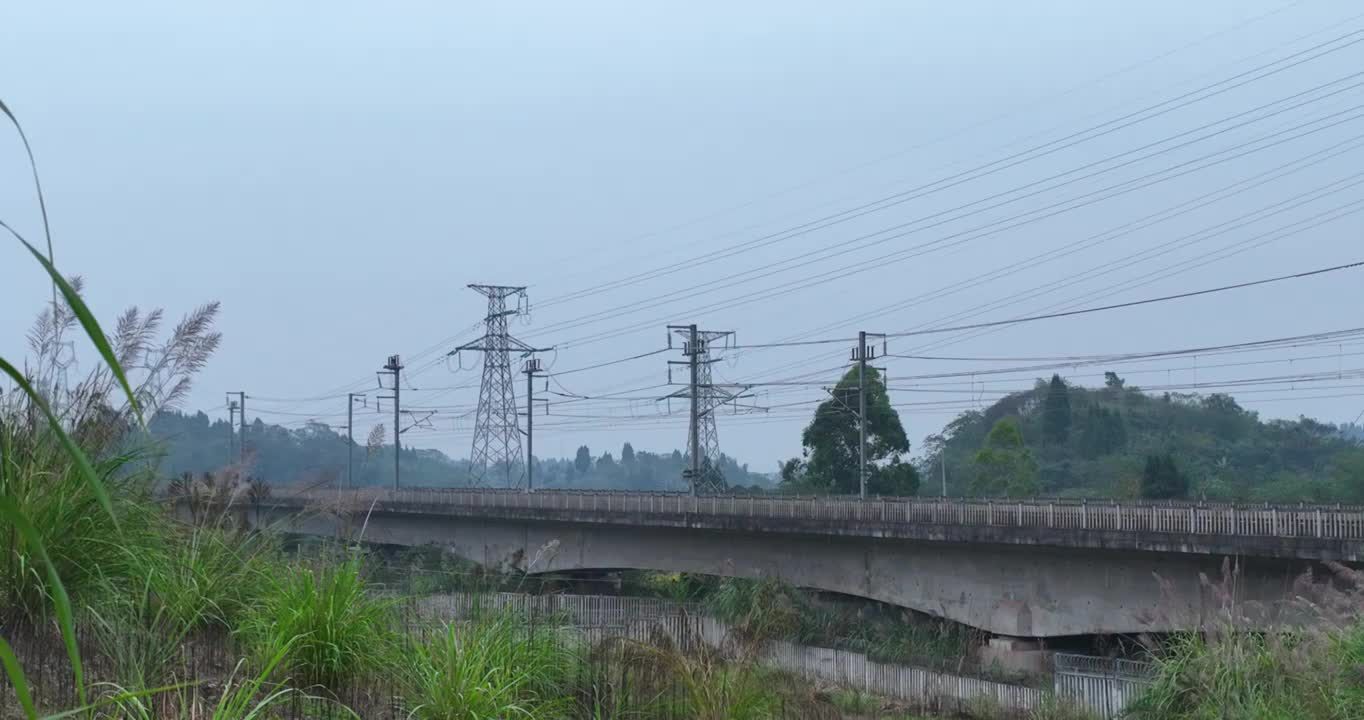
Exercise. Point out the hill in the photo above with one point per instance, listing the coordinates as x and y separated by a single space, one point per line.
1059 439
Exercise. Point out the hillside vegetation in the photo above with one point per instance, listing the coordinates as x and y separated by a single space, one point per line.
1118 441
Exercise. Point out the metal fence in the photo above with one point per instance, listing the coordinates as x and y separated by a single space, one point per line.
1174 518
1101 685
1105 686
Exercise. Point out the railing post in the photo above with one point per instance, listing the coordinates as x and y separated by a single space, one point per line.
1318 522
1117 515
989 512
1051 514
1084 514
1020 513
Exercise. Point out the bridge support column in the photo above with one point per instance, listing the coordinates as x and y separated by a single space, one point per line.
1016 655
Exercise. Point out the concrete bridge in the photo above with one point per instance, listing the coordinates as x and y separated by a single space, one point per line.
1031 569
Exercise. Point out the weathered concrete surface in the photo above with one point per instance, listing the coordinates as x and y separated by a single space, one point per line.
1009 589
663 515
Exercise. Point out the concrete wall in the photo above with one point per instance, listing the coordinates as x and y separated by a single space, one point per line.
1027 591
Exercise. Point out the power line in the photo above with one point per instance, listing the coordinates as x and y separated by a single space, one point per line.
1038 151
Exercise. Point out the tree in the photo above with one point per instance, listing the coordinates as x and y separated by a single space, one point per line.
895 479
831 443
583 461
1102 432
1004 467
1056 421
1162 480
627 454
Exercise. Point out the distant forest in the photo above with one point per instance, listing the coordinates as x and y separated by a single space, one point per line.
1059 439
316 454
1055 439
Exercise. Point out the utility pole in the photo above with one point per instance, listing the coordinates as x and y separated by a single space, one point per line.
861 355
241 409
231 430
497 430
350 436
693 353
862 414
532 369
394 367
942 463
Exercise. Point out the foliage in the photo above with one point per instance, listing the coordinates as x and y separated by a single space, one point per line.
832 444
315 454
582 462
1004 467
709 687
1056 412
335 629
1161 479
210 575
498 666
855 702
757 610
1226 452
1307 671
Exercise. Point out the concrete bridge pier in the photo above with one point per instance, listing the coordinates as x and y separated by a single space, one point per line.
1016 655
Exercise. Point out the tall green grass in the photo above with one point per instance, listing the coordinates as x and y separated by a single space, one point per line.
86 543
210 576
1311 668
498 666
337 631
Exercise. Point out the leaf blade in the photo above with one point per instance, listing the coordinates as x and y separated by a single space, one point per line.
62 602
77 455
18 680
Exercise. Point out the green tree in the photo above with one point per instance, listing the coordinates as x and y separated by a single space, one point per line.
1056 420
583 461
1004 467
831 444
1102 432
1161 479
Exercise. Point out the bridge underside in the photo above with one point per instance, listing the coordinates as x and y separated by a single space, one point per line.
1025 591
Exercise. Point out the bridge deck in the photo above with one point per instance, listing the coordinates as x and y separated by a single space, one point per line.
1321 532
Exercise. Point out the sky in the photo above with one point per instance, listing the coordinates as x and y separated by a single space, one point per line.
337 173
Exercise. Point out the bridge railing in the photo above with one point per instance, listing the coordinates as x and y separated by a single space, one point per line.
1302 521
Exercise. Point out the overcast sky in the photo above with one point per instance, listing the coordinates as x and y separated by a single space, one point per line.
337 173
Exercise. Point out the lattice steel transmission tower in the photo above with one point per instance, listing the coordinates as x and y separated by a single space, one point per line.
497 431
703 473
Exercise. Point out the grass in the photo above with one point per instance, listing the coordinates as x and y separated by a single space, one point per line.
855 702
497 666
336 631
1310 670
